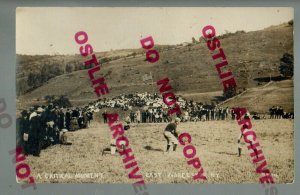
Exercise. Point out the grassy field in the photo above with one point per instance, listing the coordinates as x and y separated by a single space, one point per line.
260 99
215 142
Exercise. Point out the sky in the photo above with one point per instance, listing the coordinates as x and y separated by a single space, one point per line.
51 30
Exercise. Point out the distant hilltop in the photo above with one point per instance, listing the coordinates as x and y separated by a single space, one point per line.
253 57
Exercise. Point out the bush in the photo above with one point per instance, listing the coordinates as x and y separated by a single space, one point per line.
194 41
286 67
69 68
50 71
230 92
60 101
34 80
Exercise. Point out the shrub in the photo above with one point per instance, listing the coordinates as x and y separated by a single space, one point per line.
60 101
34 80
286 67
230 92
69 68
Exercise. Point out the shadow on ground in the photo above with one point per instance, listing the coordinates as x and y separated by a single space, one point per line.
153 149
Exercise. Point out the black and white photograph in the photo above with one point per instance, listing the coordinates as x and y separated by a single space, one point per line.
160 95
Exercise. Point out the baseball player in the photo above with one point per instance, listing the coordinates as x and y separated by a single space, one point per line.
171 134
113 145
240 144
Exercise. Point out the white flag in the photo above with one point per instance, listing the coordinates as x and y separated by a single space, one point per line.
147 77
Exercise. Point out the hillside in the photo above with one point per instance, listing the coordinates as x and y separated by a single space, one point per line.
253 58
260 99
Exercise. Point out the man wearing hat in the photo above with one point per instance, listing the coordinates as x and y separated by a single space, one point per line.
35 132
24 131
60 119
68 119
50 119
104 116
171 134
89 115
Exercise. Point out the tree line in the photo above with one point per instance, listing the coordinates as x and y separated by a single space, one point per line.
38 75
41 75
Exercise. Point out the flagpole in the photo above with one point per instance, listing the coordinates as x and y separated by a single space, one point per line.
152 83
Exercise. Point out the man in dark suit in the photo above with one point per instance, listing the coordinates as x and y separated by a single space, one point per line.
24 131
104 116
35 129
68 119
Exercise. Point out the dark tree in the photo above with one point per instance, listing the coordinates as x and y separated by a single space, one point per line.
134 54
105 60
34 80
230 92
286 67
55 70
69 68
22 86
44 73
194 40
60 101
49 98
78 66
49 71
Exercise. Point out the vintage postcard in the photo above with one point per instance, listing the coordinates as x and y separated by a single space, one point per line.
155 95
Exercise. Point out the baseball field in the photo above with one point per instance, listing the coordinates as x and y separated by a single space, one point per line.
215 141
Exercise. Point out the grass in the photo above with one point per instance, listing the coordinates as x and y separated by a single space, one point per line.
215 142
190 68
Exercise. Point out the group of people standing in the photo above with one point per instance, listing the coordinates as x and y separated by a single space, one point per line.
277 112
151 115
43 126
148 108
160 115
200 112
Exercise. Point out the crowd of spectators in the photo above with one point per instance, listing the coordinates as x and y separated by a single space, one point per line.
277 112
150 108
41 126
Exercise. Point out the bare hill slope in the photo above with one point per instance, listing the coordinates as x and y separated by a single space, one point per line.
253 58
260 99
